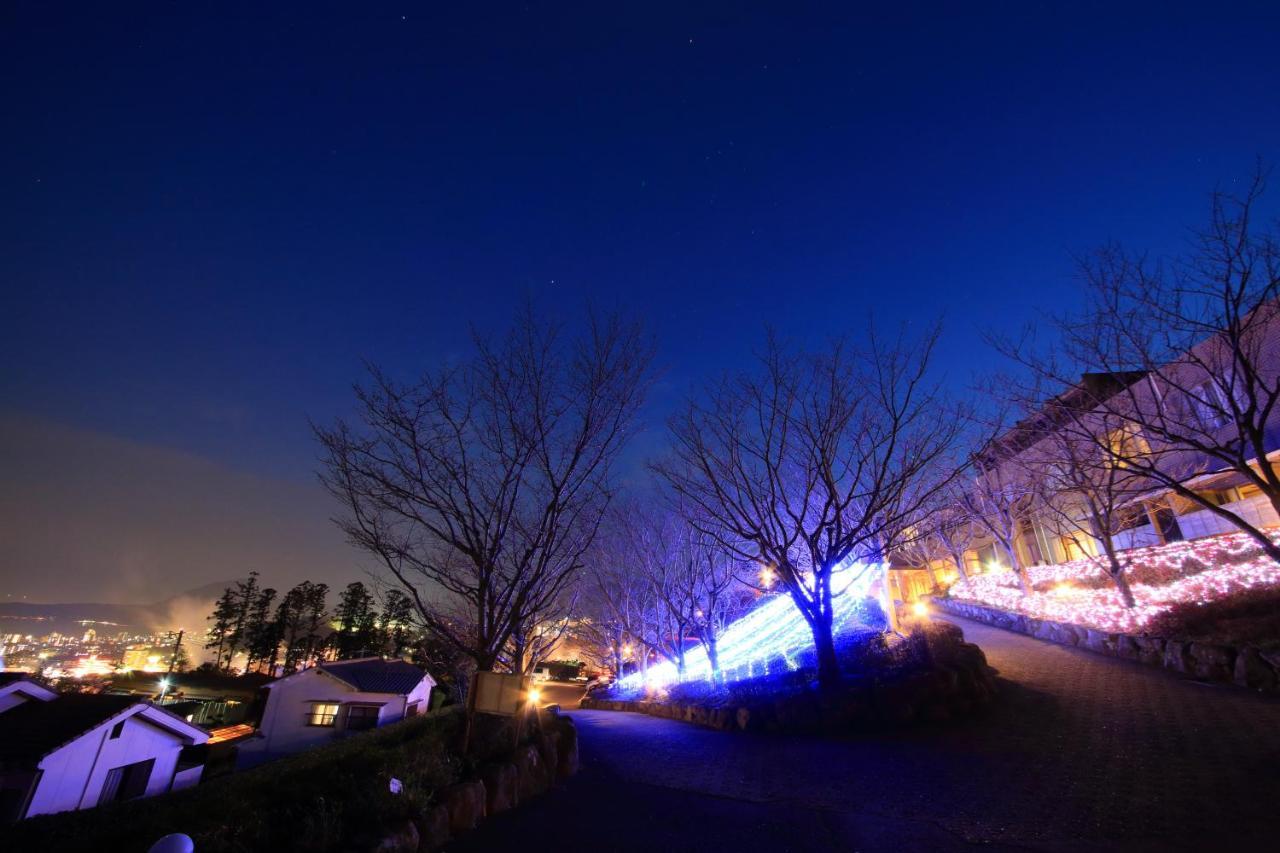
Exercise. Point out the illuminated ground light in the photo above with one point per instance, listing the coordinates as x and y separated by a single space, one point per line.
775 630
1160 577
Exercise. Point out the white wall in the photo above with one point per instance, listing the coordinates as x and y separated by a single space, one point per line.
1256 510
73 775
284 726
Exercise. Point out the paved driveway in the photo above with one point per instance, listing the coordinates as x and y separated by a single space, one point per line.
1083 752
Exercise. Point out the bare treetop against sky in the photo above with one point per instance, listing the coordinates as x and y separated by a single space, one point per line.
210 218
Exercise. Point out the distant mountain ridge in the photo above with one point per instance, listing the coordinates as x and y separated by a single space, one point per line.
184 610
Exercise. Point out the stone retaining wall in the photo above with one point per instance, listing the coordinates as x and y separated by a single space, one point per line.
530 771
956 682
1246 666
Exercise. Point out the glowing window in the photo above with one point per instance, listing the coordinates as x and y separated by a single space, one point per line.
323 714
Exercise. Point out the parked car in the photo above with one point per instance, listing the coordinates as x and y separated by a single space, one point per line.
540 674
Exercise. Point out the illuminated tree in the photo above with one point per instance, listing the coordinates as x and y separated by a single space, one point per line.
952 529
812 461
999 501
480 487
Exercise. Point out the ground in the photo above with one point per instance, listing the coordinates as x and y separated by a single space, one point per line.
1083 752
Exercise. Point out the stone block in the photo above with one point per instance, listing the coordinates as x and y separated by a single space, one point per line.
567 763
1212 662
532 772
1150 650
465 802
1252 671
433 828
501 786
549 747
1177 656
401 837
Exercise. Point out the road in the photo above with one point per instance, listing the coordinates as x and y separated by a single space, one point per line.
1082 752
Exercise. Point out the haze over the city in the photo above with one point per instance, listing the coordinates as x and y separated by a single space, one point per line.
210 219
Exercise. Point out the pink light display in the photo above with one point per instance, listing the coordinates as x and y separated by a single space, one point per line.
1160 576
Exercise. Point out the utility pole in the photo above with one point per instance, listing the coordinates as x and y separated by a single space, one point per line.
173 659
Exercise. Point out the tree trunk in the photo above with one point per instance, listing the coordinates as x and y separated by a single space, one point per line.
713 656
1114 567
1122 584
1024 580
958 559
828 664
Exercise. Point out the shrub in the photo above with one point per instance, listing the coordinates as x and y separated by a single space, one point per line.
1246 616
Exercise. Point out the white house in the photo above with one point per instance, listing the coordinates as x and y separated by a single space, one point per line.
330 700
17 687
77 751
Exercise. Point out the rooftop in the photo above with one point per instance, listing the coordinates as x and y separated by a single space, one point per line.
375 675
34 729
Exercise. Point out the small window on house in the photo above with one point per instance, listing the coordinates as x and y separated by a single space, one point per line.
412 709
323 714
1211 409
126 783
362 717
116 730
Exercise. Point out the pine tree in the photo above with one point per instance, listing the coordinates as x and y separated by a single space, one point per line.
395 623
291 619
356 622
261 639
246 593
315 615
223 619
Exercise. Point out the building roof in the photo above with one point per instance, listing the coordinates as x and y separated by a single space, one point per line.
34 729
7 678
20 683
375 675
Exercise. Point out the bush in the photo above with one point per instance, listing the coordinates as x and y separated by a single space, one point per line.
329 798
1249 616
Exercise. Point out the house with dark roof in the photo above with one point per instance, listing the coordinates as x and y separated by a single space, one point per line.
18 687
335 699
76 751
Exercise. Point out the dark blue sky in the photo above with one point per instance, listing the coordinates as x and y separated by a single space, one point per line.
211 213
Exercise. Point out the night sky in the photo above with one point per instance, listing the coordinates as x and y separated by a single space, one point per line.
210 214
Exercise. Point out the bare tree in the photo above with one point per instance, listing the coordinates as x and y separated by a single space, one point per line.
813 461
1080 486
1000 499
481 487
953 529
1201 332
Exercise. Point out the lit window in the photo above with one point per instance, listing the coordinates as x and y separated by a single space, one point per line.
362 717
323 714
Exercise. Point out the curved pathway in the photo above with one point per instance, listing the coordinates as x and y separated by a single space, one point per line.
1081 752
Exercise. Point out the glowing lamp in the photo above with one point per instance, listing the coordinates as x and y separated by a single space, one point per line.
534 695
920 609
